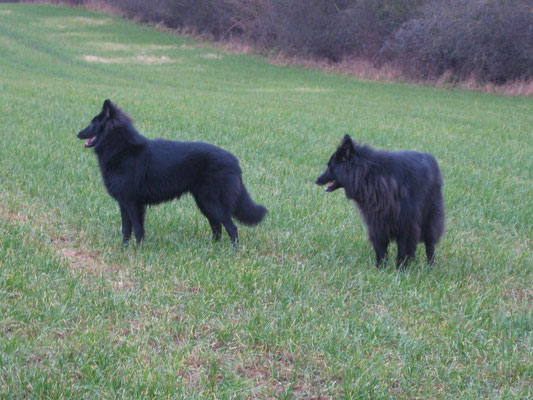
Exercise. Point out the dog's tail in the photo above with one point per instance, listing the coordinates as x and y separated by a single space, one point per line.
246 211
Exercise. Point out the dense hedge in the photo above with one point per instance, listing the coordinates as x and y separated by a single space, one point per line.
490 40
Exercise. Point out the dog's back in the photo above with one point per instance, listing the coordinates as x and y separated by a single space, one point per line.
173 168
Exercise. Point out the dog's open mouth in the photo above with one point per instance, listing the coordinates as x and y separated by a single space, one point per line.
333 185
90 142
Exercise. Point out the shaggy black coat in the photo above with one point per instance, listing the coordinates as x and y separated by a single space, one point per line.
138 172
399 195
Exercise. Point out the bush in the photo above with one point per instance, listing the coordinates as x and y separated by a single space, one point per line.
146 11
489 40
324 29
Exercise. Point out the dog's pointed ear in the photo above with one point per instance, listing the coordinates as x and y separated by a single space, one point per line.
108 108
347 147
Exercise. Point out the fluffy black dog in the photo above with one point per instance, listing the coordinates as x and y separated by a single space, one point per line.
138 172
398 193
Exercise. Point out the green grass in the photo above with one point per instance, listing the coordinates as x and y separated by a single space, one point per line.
300 311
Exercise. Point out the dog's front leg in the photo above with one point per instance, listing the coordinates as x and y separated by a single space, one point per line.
136 212
126 224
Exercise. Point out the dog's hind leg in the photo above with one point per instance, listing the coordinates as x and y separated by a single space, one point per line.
216 227
406 249
433 227
216 213
136 213
403 257
126 224
231 229
430 251
428 236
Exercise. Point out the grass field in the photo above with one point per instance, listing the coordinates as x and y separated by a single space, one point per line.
299 311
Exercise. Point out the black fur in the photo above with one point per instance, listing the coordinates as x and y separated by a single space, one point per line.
398 193
138 172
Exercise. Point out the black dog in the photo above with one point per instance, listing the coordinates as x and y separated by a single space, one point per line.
398 193
138 172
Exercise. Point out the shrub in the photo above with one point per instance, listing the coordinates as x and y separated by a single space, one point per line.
489 40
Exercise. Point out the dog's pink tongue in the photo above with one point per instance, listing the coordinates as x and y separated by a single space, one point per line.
88 142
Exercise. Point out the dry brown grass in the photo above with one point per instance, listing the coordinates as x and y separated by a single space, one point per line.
140 59
211 56
112 46
103 7
516 88
363 69
67 245
92 5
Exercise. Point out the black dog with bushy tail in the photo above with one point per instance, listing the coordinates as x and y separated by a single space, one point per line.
138 172
398 193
